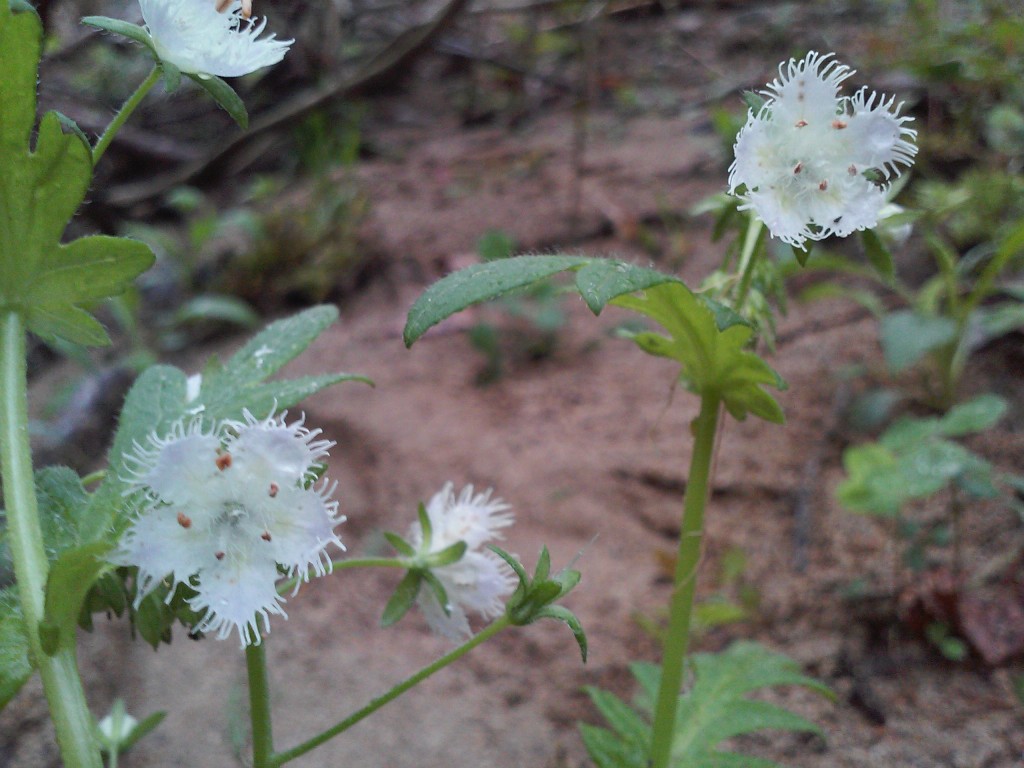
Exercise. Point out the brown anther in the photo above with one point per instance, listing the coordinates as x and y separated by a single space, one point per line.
274 488
223 461
265 535
801 123
799 167
184 520
219 555
852 170
823 186
839 124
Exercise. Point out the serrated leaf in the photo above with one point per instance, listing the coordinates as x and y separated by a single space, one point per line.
712 360
403 598
69 581
609 751
714 709
15 667
224 95
907 337
123 28
627 724
40 190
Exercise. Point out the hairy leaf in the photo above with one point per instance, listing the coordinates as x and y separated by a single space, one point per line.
15 667
40 190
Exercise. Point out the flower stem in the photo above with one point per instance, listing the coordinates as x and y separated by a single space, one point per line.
751 240
123 114
681 603
259 706
350 562
485 634
61 682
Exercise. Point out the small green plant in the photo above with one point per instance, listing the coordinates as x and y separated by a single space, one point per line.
914 460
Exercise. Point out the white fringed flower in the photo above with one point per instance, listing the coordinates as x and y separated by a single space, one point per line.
801 160
226 511
197 39
480 580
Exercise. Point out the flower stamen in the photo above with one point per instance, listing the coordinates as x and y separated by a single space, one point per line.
184 520
274 488
223 461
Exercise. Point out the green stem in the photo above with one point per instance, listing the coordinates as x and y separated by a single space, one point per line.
259 706
123 114
681 604
61 682
485 634
751 241
350 562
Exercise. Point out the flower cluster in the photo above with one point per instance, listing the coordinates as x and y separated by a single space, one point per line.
802 159
226 511
480 580
203 38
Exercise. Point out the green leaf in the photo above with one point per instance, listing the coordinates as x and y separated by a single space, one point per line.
40 190
123 28
872 485
61 499
907 337
755 101
600 281
66 587
224 95
401 546
878 255
450 554
567 617
153 404
88 269
715 708
480 282
403 598
273 347
712 360
976 415
15 667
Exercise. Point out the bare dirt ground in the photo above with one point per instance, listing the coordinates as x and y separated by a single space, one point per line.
590 447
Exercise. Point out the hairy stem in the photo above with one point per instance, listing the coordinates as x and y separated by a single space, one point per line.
681 603
123 114
61 681
485 634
